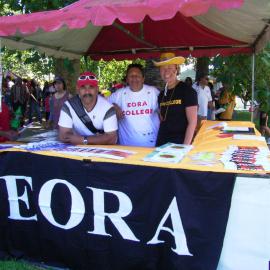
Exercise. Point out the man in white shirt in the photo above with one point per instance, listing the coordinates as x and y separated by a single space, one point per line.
137 110
88 118
204 96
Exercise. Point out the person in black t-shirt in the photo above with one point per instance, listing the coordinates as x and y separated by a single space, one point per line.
178 104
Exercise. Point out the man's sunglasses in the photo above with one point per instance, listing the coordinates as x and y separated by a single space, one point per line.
87 77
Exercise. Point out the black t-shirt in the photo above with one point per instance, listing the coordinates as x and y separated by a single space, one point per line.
172 109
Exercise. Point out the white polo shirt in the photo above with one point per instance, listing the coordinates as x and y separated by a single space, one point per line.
204 96
102 115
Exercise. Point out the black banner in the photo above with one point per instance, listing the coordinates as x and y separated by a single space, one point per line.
108 216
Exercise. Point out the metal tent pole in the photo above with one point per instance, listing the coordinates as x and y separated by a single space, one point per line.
253 86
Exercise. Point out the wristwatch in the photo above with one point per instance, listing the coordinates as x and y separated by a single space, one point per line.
85 140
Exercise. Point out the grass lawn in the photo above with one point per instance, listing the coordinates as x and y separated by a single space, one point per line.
242 116
245 116
16 265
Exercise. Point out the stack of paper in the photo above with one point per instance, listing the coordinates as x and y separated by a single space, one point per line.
239 130
218 125
168 153
248 137
247 158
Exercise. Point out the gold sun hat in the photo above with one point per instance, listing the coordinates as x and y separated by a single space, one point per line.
169 58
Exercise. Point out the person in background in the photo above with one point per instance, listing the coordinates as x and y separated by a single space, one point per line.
260 111
26 83
51 88
6 134
45 90
47 106
227 103
34 101
57 100
88 118
189 81
4 90
264 129
19 95
178 103
211 109
204 97
9 83
137 110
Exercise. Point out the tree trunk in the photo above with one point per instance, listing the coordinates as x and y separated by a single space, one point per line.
202 66
152 76
69 70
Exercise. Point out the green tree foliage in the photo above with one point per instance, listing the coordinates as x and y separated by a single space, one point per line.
27 64
30 63
108 71
5 9
29 6
262 86
236 72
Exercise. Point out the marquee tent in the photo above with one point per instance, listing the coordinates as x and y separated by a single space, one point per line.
126 29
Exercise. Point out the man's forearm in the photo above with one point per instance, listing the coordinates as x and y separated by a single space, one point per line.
101 139
106 138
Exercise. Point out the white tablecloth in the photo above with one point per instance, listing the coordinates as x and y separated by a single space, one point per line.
247 240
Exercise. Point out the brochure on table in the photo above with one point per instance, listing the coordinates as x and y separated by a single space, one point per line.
246 158
248 137
238 130
168 153
6 146
82 151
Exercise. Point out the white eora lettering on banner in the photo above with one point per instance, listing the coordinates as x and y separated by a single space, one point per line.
77 211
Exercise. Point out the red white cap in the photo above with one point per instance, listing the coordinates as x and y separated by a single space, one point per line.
87 78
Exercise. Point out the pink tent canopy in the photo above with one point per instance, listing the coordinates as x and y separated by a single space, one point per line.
105 12
131 29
